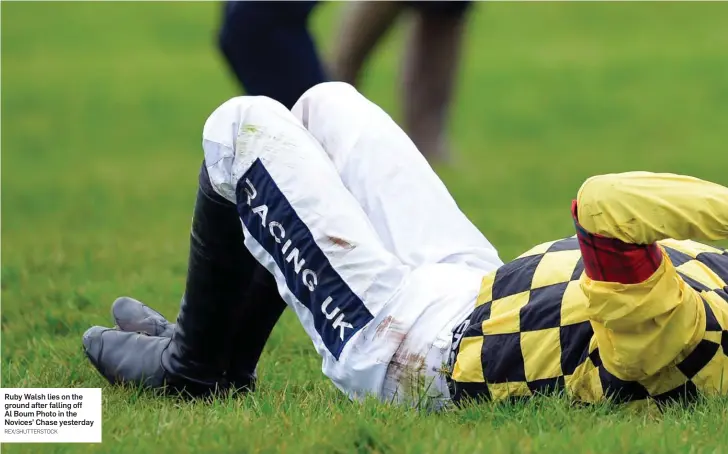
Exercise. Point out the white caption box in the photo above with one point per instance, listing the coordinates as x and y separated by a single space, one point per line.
51 415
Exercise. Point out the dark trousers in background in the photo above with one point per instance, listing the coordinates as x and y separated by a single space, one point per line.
269 48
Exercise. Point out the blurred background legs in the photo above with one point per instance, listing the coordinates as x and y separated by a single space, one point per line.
269 48
429 66
429 72
361 27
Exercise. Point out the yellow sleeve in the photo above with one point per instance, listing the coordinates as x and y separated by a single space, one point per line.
644 207
641 328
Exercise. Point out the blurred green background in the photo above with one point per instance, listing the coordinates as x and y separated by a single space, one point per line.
102 112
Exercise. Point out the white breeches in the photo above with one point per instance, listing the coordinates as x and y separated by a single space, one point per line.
365 242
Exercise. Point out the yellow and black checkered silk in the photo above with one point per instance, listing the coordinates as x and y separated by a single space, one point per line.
530 332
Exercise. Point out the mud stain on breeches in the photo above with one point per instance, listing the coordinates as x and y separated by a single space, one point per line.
340 242
406 368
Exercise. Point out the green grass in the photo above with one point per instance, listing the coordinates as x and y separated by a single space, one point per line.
102 111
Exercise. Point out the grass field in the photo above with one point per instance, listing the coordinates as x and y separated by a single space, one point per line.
102 111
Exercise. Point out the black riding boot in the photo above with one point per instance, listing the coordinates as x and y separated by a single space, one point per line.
227 313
